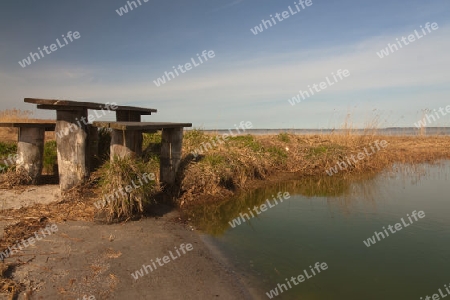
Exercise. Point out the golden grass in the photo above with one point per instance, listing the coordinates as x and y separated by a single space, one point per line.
233 165
17 115
118 174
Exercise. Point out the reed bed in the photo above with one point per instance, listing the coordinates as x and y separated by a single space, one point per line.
231 166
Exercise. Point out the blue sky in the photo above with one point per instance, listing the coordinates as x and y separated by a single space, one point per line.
251 76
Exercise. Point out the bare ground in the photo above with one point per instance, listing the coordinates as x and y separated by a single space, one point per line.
84 258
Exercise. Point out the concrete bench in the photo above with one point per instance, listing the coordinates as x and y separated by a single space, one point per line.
30 146
126 141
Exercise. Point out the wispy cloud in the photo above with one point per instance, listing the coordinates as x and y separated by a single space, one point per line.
228 5
265 82
422 64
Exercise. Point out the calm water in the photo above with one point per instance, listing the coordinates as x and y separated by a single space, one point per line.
326 220
382 131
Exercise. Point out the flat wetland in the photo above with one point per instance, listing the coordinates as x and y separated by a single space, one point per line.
213 187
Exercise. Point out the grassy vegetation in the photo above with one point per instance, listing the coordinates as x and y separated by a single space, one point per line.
151 147
14 115
50 157
119 174
317 151
284 137
231 165
151 138
7 149
228 165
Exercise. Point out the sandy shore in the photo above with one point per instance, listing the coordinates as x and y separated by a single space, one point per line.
89 259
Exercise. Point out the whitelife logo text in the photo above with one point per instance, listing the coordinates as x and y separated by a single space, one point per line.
33 56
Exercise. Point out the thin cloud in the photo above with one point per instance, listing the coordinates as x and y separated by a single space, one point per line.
228 5
265 83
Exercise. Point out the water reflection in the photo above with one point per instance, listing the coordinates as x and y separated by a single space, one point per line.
341 192
214 218
326 220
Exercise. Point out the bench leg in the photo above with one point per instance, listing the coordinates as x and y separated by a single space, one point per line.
93 144
172 140
129 116
126 143
30 150
72 140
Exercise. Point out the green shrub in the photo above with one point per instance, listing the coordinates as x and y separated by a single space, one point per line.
7 148
214 159
151 147
279 155
7 152
284 137
193 138
318 150
247 141
50 157
151 138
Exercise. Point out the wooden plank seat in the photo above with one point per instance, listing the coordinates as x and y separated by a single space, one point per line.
46 125
73 105
125 142
141 126
30 146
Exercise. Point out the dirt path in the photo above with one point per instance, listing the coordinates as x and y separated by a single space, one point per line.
15 199
87 259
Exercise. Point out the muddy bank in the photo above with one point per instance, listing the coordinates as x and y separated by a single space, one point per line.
83 258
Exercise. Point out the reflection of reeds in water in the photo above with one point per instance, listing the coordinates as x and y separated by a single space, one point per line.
341 192
415 173
365 188
213 218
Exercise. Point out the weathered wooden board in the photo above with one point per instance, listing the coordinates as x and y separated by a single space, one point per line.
140 125
47 126
72 105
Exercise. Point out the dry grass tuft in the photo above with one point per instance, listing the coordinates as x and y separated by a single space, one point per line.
7 285
119 174
16 177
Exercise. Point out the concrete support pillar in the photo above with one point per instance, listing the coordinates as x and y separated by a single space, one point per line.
72 139
126 143
30 151
130 116
172 140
